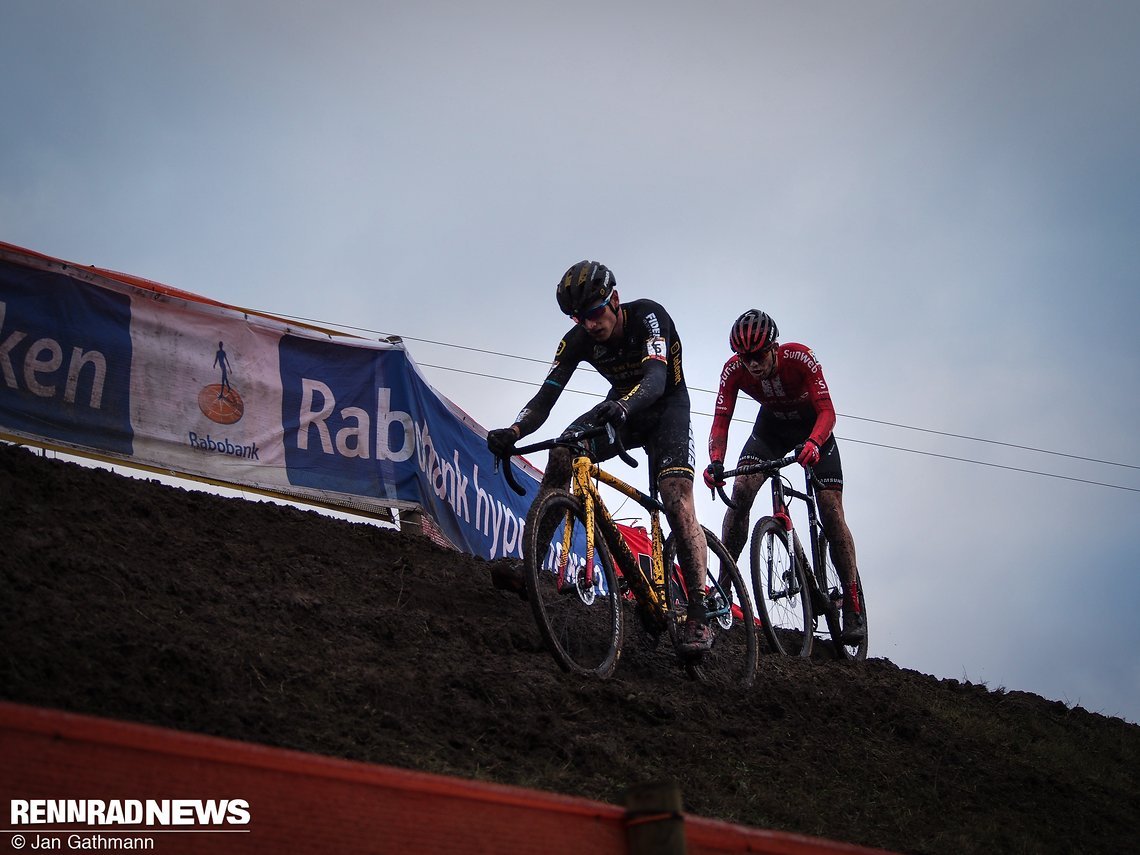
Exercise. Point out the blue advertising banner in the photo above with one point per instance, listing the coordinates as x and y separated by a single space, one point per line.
107 364
65 359
362 421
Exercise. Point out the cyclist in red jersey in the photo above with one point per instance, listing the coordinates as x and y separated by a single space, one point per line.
636 348
795 410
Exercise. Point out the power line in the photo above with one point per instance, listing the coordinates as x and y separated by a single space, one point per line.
994 442
843 415
994 465
844 438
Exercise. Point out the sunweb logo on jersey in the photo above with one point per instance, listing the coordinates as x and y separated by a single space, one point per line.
220 402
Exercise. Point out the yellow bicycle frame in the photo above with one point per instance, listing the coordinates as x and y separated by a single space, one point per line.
650 591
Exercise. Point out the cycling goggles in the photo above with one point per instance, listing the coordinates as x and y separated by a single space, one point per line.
757 356
591 314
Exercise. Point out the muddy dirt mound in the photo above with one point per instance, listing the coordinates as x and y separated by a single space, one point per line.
122 597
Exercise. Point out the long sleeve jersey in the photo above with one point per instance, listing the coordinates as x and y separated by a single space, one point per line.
796 394
643 365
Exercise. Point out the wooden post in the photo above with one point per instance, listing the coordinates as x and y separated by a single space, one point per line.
654 822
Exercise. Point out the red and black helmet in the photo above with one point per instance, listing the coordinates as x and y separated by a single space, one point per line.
584 286
752 332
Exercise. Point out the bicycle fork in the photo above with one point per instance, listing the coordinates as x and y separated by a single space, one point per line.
584 584
789 586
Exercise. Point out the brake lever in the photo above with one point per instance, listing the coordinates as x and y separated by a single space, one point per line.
509 475
622 453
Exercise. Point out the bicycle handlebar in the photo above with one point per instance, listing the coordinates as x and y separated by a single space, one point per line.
568 439
760 467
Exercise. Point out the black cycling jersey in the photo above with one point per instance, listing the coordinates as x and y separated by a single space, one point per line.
643 367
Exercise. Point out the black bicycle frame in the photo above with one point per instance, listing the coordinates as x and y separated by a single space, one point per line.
782 489
808 498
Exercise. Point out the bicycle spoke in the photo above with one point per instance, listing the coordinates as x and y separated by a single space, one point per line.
578 613
833 586
778 587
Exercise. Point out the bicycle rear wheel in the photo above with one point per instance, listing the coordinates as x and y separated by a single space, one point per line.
782 599
831 585
731 663
580 622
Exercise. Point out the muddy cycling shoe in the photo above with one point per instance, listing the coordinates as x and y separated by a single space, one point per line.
508 576
854 629
696 637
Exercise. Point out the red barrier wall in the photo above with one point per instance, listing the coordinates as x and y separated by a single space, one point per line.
307 803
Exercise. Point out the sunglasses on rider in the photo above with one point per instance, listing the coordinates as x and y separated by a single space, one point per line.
591 314
757 356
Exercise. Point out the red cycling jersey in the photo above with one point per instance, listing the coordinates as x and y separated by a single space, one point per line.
795 395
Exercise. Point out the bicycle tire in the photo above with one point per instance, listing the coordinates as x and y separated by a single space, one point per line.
831 584
731 662
581 629
780 590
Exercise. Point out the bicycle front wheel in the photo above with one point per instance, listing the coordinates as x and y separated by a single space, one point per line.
832 584
577 608
783 602
731 663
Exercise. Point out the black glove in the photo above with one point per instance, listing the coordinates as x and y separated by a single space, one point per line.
608 413
714 475
501 441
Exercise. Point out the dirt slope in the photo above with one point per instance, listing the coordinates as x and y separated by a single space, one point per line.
126 598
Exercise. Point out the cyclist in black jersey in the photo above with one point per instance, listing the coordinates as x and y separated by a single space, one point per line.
636 348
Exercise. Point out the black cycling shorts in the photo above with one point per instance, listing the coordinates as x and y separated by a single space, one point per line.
663 429
771 440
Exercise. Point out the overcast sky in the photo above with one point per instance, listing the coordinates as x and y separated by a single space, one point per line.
942 199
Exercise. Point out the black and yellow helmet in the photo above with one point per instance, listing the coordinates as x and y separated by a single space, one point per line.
584 286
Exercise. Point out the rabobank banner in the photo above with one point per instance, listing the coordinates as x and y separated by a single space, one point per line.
362 421
65 357
103 363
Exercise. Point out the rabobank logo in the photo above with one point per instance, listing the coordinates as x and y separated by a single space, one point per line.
220 402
